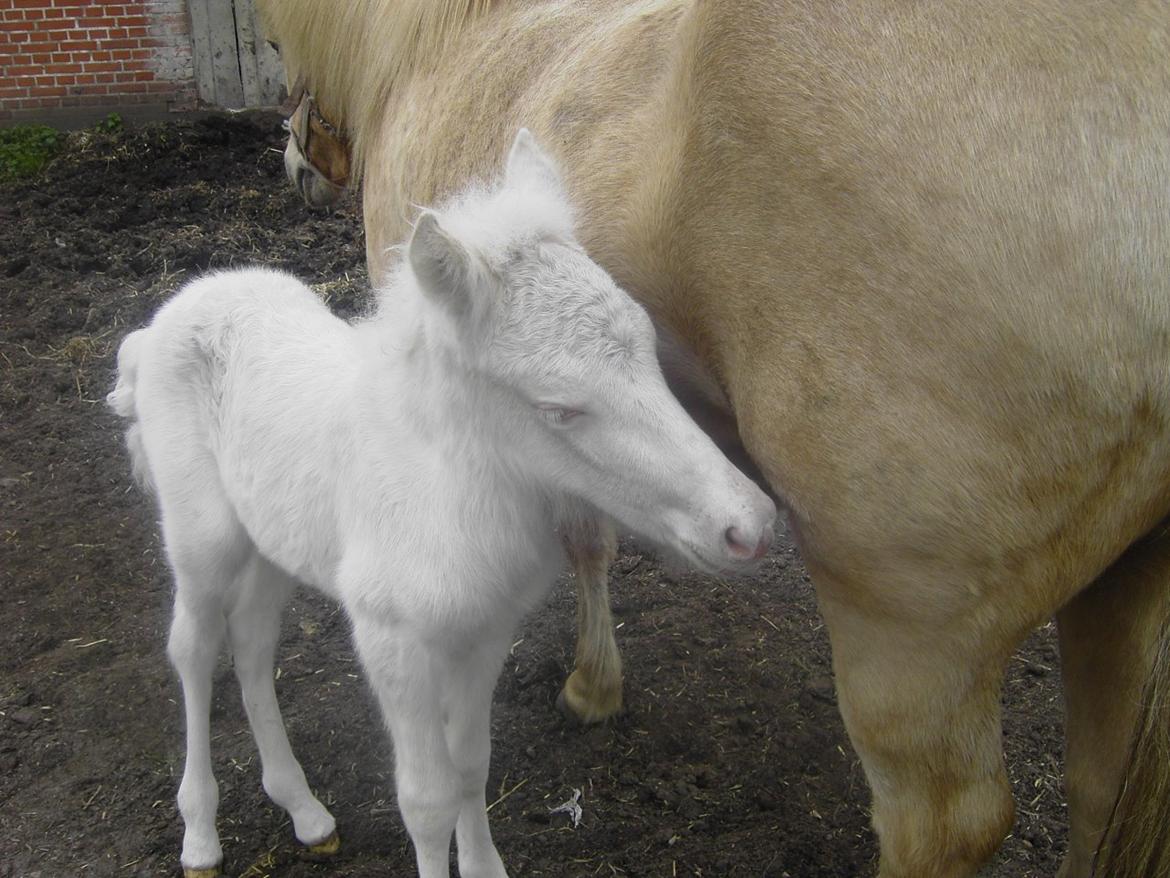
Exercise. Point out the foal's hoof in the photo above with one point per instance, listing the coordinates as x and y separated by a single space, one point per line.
213 872
324 849
578 702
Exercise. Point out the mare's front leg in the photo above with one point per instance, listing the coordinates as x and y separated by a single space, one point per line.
919 665
593 691
435 694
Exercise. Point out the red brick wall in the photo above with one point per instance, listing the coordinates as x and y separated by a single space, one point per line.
86 53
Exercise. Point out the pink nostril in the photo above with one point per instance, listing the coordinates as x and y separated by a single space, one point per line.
742 547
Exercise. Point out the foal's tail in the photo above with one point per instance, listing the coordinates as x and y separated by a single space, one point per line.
1136 843
122 400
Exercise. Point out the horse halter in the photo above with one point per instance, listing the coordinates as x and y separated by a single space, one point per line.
302 132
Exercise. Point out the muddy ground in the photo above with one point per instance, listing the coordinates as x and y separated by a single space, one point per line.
729 760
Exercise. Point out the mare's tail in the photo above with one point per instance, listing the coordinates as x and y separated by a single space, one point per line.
122 400
1136 843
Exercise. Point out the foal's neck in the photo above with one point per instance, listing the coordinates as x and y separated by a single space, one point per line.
434 390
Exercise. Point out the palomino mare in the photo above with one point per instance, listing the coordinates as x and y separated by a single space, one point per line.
922 250
419 467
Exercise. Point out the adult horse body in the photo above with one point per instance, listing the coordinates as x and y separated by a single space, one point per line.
921 253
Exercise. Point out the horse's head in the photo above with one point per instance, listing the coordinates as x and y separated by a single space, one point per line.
568 371
316 157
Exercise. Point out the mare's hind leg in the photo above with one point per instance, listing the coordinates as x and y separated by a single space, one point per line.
593 691
1107 637
254 628
918 686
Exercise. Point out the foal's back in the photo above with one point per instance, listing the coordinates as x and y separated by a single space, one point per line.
246 392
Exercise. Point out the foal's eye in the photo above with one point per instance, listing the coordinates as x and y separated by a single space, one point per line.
557 414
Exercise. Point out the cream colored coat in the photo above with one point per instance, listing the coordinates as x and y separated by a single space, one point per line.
924 252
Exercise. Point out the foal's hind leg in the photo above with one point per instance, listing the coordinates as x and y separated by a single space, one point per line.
254 628
918 688
593 691
207 549
196 635
1107 637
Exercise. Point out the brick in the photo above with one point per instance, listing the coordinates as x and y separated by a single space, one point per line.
62 68
54 91
55 30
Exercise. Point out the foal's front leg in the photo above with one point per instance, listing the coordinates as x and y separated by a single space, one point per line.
593 691
436 700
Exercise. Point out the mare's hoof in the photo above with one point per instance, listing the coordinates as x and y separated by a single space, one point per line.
326 848
580 708
212 872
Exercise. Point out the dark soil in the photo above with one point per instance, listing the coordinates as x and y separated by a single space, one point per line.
729 760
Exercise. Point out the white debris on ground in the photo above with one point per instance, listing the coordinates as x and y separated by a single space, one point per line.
572 807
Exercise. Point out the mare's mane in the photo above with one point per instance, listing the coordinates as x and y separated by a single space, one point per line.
350 54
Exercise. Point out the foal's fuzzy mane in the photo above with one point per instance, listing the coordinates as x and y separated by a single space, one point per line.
352 53
493 222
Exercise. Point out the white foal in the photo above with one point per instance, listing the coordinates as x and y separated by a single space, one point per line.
420 467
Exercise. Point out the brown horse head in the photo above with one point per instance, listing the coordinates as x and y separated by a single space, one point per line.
317 156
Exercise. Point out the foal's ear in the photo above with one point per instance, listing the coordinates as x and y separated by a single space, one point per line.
442 264
528 165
